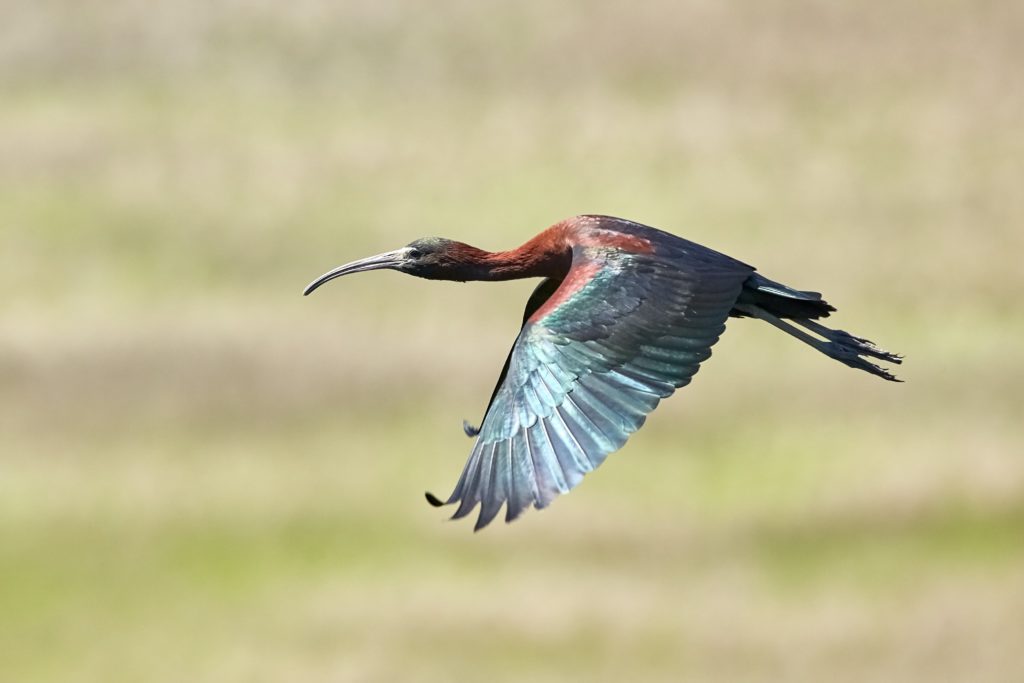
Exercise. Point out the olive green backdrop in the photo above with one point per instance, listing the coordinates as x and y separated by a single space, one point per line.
206 477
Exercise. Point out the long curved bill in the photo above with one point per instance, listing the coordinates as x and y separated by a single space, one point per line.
389 259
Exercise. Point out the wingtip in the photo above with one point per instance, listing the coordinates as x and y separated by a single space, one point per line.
433 500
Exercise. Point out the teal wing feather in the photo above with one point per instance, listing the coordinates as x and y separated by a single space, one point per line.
585 374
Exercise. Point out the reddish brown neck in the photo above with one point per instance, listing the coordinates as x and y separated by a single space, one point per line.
546 255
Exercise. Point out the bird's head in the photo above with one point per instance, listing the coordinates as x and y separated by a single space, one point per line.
435 258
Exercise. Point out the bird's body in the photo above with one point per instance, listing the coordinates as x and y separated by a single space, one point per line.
625 315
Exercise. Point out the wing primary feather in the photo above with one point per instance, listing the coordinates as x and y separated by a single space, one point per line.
575 457
524 482
490 499
503 466
629 404
547 489
513 508
460 485
470 493
606 444
631 382
644 375
651 365
612 425
534 475
560 448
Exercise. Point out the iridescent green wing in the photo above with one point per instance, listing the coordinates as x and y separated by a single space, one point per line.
621 332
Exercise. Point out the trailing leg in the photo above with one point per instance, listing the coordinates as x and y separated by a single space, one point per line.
837 344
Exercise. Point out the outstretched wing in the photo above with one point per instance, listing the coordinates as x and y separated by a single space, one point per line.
621 332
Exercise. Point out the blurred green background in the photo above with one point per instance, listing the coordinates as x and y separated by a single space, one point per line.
206 477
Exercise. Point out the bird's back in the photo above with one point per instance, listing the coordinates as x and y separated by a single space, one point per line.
660 243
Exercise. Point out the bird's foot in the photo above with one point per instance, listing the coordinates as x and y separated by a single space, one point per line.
851 350
863 347
851 355
469 429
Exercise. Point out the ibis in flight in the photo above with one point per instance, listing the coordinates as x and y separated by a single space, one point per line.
624 315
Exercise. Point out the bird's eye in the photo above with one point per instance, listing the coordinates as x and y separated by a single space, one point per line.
415 253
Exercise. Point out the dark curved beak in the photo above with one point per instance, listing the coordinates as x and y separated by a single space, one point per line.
389 259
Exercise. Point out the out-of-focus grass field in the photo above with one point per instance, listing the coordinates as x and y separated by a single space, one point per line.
206 477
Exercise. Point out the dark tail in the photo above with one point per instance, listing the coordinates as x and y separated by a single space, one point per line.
773 302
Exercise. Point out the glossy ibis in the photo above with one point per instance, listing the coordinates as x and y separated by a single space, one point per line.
624 316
